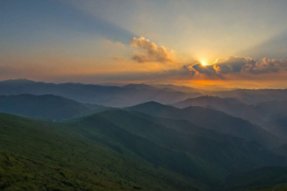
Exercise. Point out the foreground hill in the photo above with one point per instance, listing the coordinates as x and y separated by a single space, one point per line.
112 96
220 150
118 150
46 107
261 179
211 119
43 156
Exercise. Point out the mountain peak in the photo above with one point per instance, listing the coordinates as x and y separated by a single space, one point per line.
17 81
151 105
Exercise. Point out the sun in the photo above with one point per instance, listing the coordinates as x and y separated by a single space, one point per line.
204 64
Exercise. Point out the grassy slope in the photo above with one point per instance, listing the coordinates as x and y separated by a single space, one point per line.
40 156
225 152
160 155
262 179
92 153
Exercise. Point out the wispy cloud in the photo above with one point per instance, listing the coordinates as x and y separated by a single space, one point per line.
119 59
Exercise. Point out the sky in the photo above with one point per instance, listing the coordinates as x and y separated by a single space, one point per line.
197 43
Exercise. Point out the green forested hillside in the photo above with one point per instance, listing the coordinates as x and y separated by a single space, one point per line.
231 154
266 178
43 156
120 150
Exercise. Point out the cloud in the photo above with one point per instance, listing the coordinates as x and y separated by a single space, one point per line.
151 52
114 43
242 65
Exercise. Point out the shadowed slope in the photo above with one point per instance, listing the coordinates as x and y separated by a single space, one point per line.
221 150
262 179
43 156
230 106
210 119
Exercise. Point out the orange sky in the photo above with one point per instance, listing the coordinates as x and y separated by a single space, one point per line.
146 42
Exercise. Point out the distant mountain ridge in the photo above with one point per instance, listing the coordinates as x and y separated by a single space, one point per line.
111 96
231 106
259 113
277 126
271 114
254 96
46 107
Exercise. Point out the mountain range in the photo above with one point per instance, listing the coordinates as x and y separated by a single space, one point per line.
101 152
43 107
112 96
70 136
254 96
271 115
231 106
46 107
211 119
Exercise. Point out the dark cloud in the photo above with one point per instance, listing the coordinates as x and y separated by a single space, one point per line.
209 70
241 65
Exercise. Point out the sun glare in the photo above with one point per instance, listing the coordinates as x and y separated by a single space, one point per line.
204 64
